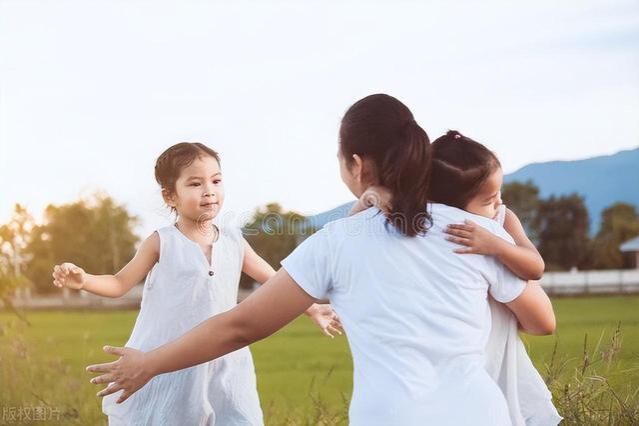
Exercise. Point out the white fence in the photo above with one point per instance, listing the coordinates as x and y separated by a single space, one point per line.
67 299
617 281
621 281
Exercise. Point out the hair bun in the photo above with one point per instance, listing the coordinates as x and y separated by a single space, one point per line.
453 134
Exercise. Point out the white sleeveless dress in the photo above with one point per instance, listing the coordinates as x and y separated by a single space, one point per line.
181 291
528 398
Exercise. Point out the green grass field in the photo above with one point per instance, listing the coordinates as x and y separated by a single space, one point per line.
303 377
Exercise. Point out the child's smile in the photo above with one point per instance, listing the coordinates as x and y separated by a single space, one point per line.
199 190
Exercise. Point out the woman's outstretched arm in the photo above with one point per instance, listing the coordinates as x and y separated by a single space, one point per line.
276 303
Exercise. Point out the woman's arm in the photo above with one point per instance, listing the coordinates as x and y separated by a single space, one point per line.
321 314
72 276
534 311
522 258
269 308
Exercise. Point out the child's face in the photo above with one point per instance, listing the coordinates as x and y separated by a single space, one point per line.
487 201
199 191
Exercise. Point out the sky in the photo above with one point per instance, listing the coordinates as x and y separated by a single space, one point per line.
91 92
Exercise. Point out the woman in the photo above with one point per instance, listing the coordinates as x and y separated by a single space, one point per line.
415 313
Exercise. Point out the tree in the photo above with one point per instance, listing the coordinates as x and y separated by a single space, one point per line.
14 238
95 233
619 223
563 231
273 233
523 200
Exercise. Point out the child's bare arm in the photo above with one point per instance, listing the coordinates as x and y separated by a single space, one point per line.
254 266
72 276
259 269
522 258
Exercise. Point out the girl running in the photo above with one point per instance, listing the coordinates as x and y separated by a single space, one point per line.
192 271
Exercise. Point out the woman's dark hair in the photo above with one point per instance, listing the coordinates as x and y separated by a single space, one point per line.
459 167
170 163
382 129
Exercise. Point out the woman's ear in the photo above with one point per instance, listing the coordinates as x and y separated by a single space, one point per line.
364 171
357 168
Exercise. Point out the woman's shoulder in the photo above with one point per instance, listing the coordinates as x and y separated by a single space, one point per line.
363 218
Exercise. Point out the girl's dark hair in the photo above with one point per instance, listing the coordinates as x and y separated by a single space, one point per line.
382 129
171 162
459 167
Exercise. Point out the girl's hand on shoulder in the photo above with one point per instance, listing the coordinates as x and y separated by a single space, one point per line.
474 238
325 318
374 196
69 275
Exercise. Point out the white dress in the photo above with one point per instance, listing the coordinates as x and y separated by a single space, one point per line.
179 293
416 316
528 398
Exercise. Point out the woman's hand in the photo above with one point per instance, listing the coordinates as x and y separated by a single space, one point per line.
69 275
128 374
475 238
325 318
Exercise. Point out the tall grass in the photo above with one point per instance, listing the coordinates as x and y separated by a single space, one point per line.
587 390
33 382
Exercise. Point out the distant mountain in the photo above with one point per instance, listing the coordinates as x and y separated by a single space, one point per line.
602 181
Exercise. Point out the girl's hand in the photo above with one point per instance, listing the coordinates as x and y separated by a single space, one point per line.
128 374
475 238
325 318
69 275
374 196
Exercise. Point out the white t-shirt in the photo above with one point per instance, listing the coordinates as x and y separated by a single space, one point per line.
416 315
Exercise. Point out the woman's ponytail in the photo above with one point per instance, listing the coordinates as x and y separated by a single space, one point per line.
383 129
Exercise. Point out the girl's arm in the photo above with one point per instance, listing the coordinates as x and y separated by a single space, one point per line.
254 266
321 314
522 258
269 308
72 276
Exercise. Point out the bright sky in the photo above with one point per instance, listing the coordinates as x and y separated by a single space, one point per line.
91 92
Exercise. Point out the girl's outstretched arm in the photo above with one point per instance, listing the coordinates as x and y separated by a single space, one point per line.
522 258
321 314
269 308
256 267
72 276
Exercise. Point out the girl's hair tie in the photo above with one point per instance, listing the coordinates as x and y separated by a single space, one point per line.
454 134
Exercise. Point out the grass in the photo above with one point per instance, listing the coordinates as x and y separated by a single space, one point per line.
305 378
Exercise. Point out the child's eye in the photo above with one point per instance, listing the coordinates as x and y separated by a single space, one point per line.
194 184
217 181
